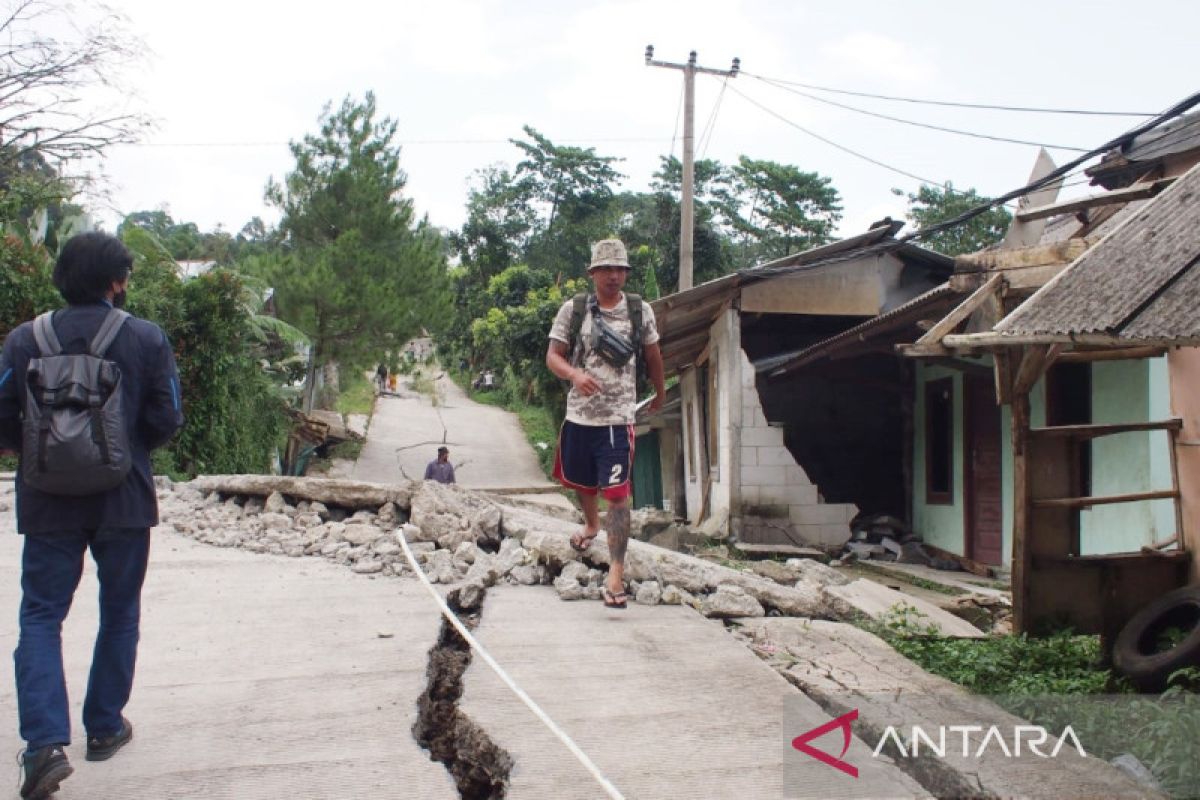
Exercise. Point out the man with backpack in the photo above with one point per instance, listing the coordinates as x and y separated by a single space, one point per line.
595 343
85 394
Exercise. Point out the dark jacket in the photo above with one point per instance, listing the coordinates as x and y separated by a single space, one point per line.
150 384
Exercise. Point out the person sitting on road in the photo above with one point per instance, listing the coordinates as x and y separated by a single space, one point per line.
440 469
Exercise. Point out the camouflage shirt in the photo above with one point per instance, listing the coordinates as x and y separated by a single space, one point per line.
614 403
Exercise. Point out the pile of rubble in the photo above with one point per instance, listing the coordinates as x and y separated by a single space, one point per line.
464 537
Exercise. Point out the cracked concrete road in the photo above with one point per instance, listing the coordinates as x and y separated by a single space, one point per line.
666 703
258 677
487 446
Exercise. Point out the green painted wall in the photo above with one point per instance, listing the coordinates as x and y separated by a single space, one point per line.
1128 391
1122 391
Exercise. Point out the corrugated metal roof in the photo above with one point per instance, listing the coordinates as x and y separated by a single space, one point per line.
1134 284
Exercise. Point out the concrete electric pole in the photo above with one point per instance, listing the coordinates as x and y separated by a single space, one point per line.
687 223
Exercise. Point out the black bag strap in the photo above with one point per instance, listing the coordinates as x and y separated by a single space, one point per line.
44 335
634 304
108 332
579 304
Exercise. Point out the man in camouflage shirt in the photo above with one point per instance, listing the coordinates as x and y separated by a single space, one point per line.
595 445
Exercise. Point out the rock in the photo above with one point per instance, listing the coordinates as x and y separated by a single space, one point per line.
273 520
674 596
295 551
484 570
362 533
308 520
161 483
367 566
356 424
780 573
254 505
568 588
467 597
553 548
729 602
575 571
647 522
815 571
388 517
421 547
466 552
318 508
649 594
363 516
516 523
450 515
526 575
385 547
333 548
275 504
511 556
413 533
439 567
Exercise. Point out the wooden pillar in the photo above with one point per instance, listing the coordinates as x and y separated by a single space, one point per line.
1021 553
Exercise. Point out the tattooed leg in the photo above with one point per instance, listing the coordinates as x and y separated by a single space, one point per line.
617 524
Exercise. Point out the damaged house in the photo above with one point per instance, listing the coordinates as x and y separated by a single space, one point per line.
789 463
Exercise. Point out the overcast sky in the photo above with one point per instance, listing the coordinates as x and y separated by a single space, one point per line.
230 83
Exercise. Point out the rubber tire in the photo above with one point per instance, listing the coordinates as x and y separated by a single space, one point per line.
1149 672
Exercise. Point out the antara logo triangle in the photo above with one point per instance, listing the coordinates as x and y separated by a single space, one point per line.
801 743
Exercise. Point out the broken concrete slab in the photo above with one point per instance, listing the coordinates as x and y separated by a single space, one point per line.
330 491
665 703
878 602
451 515
843 667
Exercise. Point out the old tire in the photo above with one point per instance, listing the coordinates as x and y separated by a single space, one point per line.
1137 654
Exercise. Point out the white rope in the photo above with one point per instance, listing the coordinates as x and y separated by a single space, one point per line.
453 619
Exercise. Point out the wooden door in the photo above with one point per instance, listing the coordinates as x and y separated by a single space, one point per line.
983 459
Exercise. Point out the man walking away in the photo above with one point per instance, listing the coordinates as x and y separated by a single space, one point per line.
595 343
113 377
440 469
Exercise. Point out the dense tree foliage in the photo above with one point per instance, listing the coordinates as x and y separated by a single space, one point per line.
355 272
932 205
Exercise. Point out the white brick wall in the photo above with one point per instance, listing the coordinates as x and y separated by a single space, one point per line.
769 476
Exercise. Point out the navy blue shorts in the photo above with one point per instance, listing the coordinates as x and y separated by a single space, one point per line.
595 459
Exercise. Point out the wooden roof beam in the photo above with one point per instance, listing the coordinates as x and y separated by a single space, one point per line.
1135 192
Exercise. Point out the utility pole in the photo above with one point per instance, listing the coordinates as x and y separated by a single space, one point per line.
687 221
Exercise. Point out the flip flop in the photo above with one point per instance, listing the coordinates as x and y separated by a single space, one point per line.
580 543
618 600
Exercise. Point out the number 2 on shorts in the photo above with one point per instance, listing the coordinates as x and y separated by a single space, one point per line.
615 477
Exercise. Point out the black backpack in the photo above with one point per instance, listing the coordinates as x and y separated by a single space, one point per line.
579 306
74 439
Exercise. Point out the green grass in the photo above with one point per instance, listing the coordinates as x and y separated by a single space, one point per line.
8 463
912 580
357 394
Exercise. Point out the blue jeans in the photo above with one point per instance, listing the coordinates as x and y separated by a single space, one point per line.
51 566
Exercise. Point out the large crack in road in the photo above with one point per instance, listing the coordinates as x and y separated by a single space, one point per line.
479 766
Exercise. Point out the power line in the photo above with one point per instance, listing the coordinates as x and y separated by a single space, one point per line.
953 104
710 126
678 115
832 143
1174 111
625 139
780 85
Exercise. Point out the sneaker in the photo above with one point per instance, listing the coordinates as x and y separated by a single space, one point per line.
45 769
101 748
